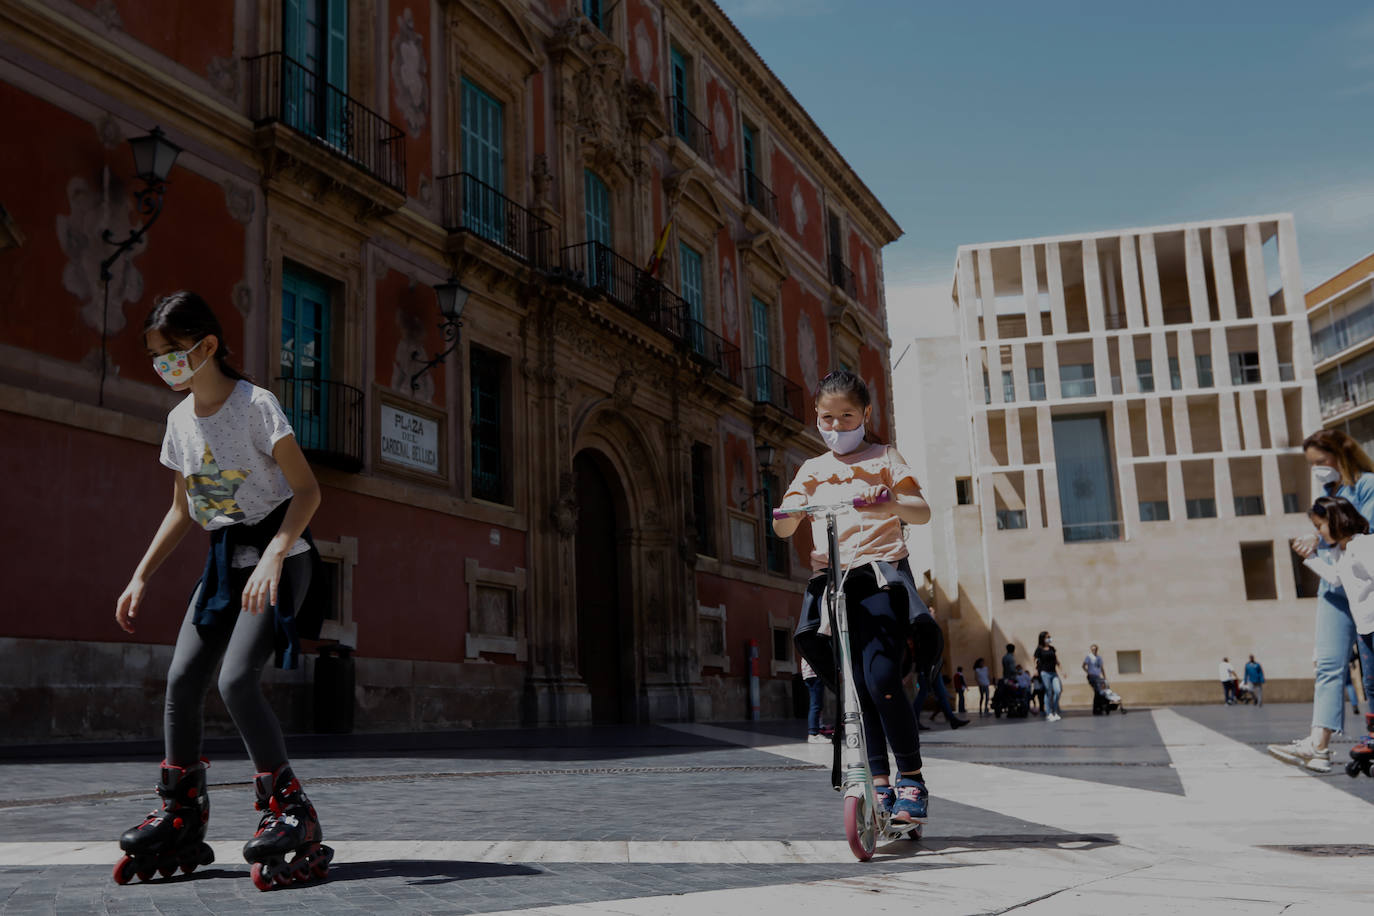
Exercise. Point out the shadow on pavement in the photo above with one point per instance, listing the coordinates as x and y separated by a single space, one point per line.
954 844
429 871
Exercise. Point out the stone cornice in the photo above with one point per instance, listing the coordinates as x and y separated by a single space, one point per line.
803 132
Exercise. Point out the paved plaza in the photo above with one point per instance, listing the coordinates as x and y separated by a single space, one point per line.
1159 811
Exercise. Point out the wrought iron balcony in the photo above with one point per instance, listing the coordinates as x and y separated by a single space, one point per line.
327 417
702 343
282 90
767 386
688 128
759 196
472 205
599 268
843 277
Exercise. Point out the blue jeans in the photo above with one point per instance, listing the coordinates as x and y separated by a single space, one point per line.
1053 687
813 715
926 686
1335 635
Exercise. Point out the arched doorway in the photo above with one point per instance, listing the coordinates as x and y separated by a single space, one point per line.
602 575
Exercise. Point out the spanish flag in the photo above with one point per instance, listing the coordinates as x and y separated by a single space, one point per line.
656 259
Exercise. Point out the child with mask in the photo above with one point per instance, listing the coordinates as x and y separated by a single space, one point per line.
884 608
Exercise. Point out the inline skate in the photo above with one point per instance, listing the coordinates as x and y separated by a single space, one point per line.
172 836
289 827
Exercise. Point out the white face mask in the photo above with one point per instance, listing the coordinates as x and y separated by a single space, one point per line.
174 368
842 441
1324 475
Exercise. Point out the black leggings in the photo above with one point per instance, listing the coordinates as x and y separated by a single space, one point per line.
878 627
245 643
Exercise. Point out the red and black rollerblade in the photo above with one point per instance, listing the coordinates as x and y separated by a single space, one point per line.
288 827
1362 754
172 836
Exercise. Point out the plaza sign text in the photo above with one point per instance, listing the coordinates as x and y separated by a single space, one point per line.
408 439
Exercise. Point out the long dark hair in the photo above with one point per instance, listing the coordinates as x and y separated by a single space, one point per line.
1351 460
1040 640
846 384
1343 520
185 317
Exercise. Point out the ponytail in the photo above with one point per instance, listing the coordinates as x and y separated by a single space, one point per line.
185 316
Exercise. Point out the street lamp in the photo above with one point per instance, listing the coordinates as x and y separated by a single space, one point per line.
453 298
154 156
763 454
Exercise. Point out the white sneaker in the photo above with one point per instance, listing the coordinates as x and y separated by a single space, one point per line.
817 739
1303 753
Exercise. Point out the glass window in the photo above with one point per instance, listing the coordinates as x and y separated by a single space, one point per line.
1202 508
1175 377
1008 387
1249 505
1155 510
1035 377
763 381
315 78
681 95
1290 503
592 10
1087 485
689 261
487 373
1245 368
1076 380
305 355
1145 374
1011 518
1204 370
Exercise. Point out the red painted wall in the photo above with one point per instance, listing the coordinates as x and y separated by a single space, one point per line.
645 57
419 151
865 266
800 213
195 244
734 300
740 477
405 306
721 118
805 362
747 607
871 369
191 34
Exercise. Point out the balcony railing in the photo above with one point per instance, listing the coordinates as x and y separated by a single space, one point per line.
703 343
767 386
843 277
599 268
472 205
758 195
688 128
1094 531
327 417
280 89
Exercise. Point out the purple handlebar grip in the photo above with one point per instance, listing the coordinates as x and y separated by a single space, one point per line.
780 514
862 502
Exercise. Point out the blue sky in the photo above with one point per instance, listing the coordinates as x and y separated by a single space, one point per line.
998 120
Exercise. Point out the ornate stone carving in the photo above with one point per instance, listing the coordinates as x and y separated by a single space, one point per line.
564 511
242 297
223 73
602 120
806 350
239 200
110 133
410 74
426 189
625 387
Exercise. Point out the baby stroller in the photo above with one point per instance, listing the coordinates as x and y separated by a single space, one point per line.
1010 700
1243 693
1105 699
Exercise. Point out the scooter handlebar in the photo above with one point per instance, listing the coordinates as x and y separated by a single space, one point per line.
822 508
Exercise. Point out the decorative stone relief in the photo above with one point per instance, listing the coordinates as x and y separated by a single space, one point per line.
807 351
602 119
403 365
863 276
729 300
243 297
563 513
542 178
425 186
92 211
643 50
625 387
720 125
799 214
223 74
239 200
110 133
410 73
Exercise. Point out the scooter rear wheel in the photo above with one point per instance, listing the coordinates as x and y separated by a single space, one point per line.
860 827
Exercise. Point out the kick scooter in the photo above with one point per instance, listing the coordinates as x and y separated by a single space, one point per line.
865 821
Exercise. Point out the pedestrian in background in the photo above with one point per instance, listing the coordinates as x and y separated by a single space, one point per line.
1092 666
1227 674
1047 666
815 687
1254 676
960 685
1009 666
980 674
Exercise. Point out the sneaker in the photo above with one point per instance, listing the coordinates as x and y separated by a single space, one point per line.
1055 717
817 739
912 801
886 797
1302 753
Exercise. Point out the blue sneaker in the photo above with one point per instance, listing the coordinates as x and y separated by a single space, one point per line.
911 800
886 797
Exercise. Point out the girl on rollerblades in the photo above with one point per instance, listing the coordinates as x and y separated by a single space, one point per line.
884 608
239 473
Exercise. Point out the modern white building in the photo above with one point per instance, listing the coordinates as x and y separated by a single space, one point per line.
1340 311
1112 451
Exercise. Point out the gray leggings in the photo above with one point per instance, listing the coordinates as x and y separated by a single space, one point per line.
245 644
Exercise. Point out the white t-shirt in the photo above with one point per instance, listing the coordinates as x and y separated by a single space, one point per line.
1226 672
1094 664
981 676
226 460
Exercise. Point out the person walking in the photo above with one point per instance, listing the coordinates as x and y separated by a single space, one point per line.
980 675
1009 663
1092 666
926 686
816 690
1047 666
1254 676
1340 468
960 685
1227 674
239 473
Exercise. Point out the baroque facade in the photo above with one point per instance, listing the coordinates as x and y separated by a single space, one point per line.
562 520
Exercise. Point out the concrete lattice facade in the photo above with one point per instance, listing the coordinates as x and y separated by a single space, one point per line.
581 390
1340 311
1127 469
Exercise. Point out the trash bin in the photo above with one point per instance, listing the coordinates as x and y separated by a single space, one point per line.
334 690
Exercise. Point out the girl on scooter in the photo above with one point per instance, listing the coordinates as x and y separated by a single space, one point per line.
884 608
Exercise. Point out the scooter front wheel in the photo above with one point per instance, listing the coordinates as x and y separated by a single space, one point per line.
860 827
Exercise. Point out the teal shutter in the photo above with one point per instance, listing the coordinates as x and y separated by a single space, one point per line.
592 10
680 93
335 73
598 222
763 382
305 356
484 160
295 107
689 262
